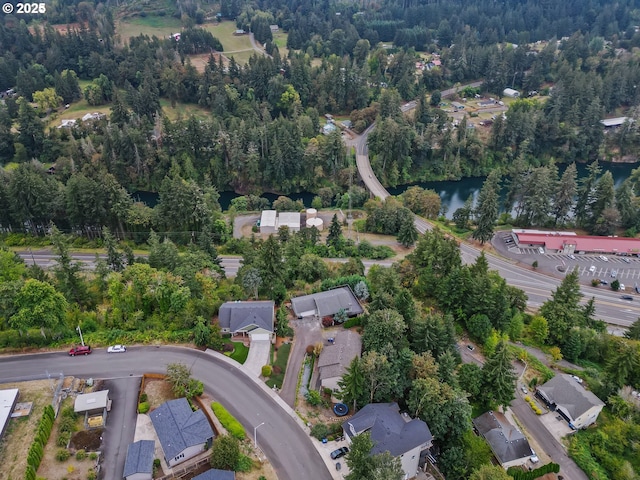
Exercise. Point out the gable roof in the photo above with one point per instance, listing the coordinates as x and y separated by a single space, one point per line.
91 401
507 442
327 303
215 474
178 427
239 315
390 430
565 391
335 358
139 457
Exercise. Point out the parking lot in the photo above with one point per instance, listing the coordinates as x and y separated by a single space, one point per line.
626 269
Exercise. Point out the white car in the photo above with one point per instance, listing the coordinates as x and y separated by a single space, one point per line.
592 268
117 349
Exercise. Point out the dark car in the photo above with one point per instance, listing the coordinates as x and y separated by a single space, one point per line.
341 452
80 350
626 297
604 282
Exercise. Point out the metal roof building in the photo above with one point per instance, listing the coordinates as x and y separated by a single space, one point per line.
569 242
268 221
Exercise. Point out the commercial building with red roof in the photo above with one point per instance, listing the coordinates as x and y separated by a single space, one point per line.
568 242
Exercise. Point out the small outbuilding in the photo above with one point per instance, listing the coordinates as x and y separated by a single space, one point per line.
511 93
291 220
94 406
215 474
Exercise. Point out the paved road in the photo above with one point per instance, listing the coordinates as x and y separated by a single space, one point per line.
537 286
286 445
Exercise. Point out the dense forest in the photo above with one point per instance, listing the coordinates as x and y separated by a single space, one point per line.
263 130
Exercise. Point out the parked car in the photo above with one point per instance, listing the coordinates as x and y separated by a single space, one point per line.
626 260
614 273
592 268
621 288
603 258
524 390
470 347
626 297
341 452
604 282
117 349
80 350
572 256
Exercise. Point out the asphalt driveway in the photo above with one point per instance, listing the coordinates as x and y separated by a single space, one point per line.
121 425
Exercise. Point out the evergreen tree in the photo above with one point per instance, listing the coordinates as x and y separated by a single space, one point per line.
585 194
408 234
563 310
633 332
6 136
352 385
67 272
30 130
358 459
114 257
486 211
564 195
334 238
498 377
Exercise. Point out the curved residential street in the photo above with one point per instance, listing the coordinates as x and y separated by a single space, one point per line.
285 443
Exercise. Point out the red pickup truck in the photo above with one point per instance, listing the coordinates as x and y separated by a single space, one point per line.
80 350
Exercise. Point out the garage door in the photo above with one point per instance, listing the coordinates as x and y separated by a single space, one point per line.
260 336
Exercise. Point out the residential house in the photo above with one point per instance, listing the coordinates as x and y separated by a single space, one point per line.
93 116
329 128
328 303
67 123
510 447
255 319
615 122
566 395
94 406
274 28
391 431
337 356
182 432
457 105
139 462
8 399
215 474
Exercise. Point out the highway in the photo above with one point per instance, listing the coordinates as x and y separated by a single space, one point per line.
619 314
286 445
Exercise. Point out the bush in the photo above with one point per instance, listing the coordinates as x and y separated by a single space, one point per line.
352 322
93 456
63 439
228 421
81 455
143 407
319 431
313 398
267 371
143 397
245 464
62 455
91 474
67 424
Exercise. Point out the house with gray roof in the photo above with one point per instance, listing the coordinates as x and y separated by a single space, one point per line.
328 303
566 395
510 447
255 319
337 356
215 474
182 432
404 437
139 462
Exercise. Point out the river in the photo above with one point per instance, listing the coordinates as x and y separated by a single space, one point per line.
453 193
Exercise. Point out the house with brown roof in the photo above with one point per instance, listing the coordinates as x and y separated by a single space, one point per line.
336 357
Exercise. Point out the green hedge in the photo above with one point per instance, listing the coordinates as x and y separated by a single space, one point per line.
352 322
36 451
519 474
228 421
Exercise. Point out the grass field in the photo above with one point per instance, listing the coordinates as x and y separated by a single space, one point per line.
149 25
282 358
240 352
223 31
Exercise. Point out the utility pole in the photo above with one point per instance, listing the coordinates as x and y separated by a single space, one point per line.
80 332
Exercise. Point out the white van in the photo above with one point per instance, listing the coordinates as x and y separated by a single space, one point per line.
541 250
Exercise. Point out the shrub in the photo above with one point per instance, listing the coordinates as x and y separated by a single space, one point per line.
228 421
245 464
81 455
319 431
68 412
267 371
62 455
143 407
67 424
352 322
309 349
93 456
63 439
91 474
313 398
143 397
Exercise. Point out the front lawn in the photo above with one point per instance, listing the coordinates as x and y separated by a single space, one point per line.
279 366
240 352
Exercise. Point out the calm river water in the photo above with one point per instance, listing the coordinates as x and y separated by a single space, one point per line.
452 193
